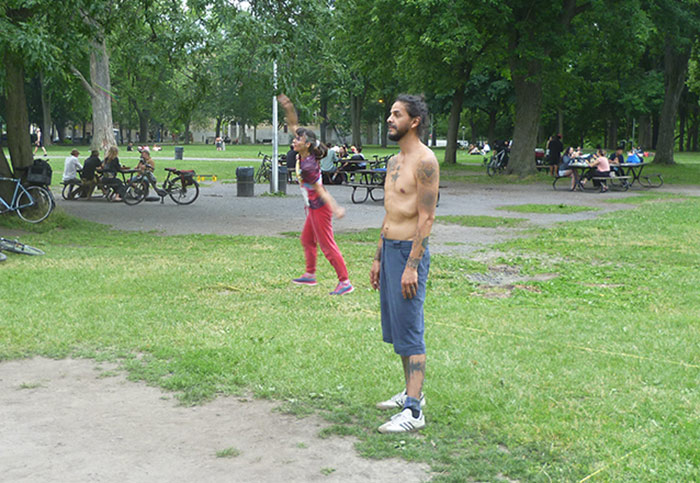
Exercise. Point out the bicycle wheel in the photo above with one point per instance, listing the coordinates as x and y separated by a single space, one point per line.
34 204
16 247
135 192
181 193
70 191
492 167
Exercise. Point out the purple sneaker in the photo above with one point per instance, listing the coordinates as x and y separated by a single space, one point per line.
343 288
304 280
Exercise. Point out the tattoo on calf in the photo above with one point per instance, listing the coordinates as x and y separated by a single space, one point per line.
416 367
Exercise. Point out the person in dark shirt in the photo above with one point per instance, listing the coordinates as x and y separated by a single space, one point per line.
291 162
555 147
616 159
88 175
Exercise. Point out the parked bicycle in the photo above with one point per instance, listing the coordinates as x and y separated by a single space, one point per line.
15 246
32 203
180 185
265 170
498 162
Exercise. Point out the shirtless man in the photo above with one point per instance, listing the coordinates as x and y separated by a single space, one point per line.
402 260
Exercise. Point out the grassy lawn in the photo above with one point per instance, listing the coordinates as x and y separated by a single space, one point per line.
593 371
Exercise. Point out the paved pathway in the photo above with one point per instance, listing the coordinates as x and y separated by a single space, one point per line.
220 211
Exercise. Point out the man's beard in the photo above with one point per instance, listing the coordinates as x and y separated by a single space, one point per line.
398 134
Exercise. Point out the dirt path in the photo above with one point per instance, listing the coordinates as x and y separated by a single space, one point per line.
77 421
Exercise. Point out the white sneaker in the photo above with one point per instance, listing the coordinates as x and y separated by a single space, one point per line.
403 422
397 401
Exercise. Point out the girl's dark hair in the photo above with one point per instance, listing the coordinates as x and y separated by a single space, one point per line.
317 148
416 107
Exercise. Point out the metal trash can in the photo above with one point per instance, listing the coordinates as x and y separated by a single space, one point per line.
282 179
179 150
244 181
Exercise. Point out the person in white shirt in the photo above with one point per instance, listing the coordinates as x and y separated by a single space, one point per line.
487 148
71 166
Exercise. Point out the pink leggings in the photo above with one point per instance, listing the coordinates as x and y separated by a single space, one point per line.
318 229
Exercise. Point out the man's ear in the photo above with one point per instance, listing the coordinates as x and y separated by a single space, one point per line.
415 122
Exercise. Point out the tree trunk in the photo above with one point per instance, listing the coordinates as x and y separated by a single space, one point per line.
645 131
356 119
682 118
694 128
453 124
492 127
46 112
144 117
100 89
675 69
16 115
528 103
187 132
218 126
560 122
387 112
612 144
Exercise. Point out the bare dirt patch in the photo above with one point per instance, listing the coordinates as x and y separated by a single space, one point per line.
80 421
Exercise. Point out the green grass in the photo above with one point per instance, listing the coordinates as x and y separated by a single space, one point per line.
228 453
595 370
546 209
480 221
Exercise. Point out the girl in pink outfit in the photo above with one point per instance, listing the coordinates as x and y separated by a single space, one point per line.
320 205
600 168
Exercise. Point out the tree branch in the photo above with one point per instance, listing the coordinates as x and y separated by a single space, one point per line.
86 84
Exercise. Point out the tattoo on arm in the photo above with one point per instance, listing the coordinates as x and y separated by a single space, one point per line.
378 253
413 262
426 172
424 244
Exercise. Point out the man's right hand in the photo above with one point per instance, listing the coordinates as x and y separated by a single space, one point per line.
374 275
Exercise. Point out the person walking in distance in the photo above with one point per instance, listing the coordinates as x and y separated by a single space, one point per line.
401 263
320 205
39 143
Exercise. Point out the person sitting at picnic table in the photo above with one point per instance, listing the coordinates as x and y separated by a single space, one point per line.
328 167
633 157
88 176
564 170
356 156
616 159
110 168
71 167
600 168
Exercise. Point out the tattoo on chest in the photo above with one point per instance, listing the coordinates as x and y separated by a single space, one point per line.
393 169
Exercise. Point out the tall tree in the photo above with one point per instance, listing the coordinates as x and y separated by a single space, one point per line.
536 30
678 29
